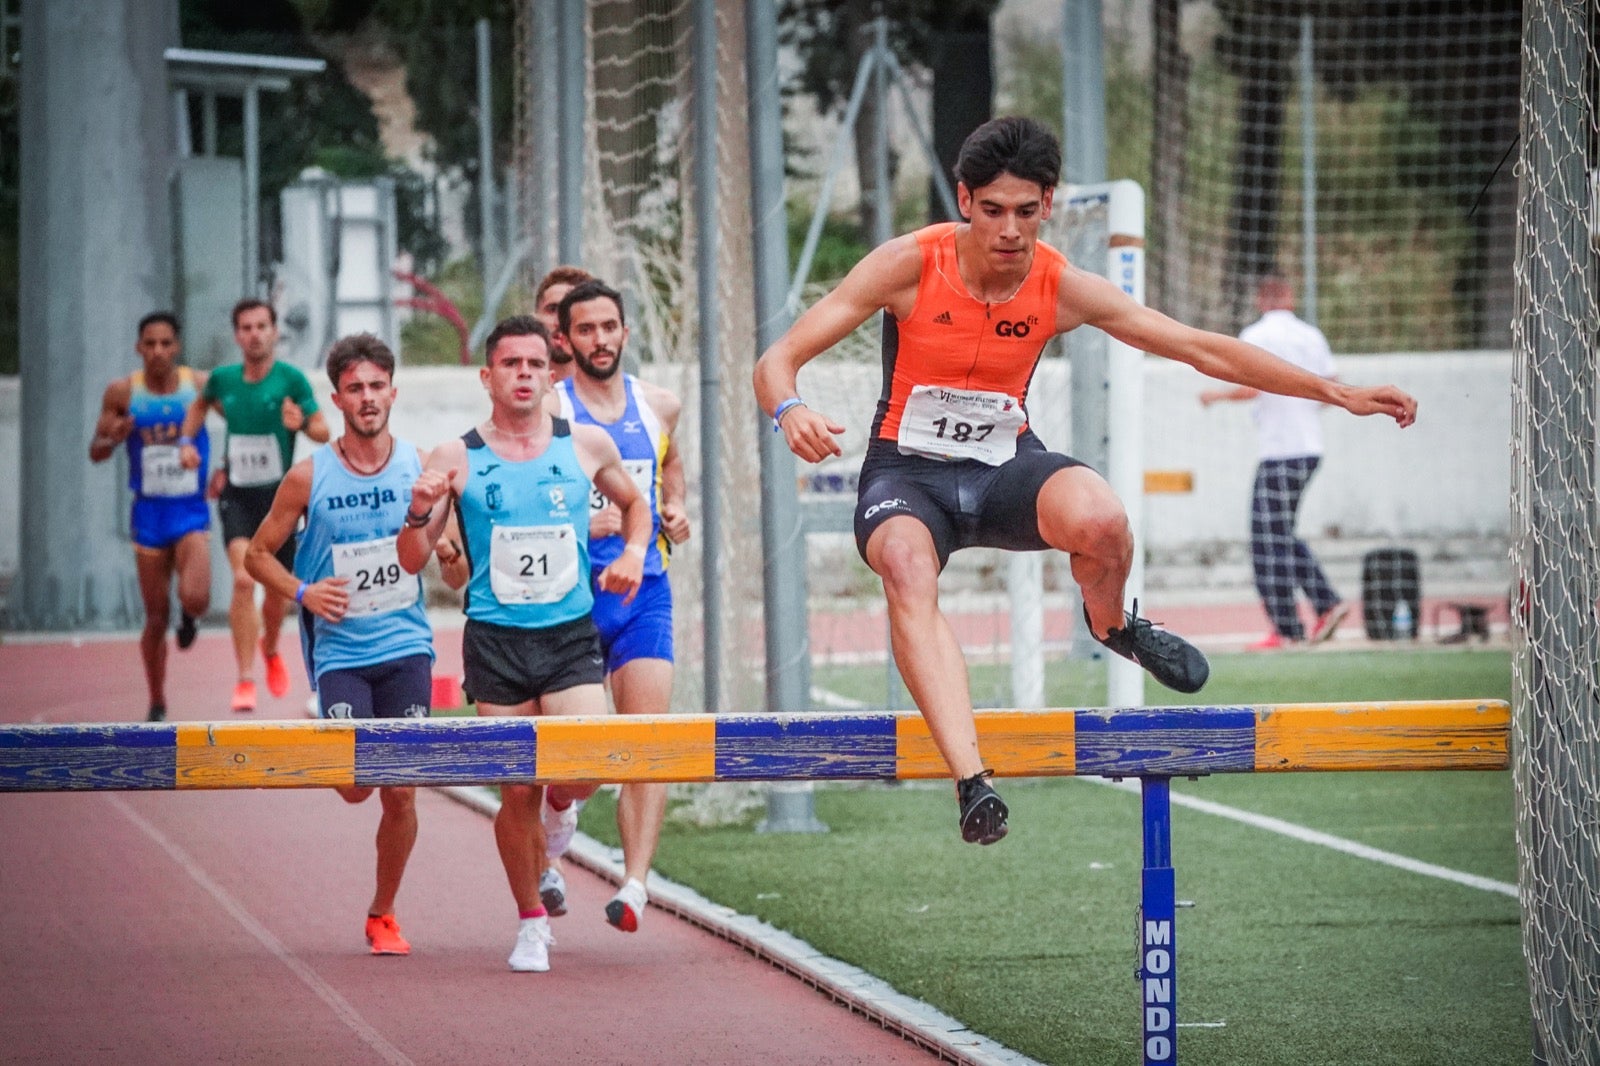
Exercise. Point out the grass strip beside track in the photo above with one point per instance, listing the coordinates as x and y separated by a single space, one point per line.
1304 954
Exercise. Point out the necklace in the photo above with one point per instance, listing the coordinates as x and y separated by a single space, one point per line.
508 435
351 463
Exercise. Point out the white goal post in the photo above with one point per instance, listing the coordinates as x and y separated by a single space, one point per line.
1098 226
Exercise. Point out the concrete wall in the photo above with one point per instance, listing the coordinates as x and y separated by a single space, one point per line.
1446 477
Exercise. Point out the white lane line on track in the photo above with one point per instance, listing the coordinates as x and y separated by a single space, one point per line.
1270 824
324 991
1327 840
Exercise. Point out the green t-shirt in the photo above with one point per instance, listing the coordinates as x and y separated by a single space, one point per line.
254 413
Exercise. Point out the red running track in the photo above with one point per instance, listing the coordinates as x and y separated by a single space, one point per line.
227 926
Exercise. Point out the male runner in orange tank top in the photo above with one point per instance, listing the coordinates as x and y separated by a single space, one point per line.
952 463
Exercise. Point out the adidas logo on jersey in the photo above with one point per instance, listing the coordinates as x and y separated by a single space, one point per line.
943 318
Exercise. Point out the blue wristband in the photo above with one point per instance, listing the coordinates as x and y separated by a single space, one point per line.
300 593
783 409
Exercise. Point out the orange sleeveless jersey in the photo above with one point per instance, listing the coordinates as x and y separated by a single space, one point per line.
957 341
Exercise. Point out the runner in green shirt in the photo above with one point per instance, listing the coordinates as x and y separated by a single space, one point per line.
265 403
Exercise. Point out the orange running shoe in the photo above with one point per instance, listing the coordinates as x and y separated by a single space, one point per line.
277 672
244 696
383 933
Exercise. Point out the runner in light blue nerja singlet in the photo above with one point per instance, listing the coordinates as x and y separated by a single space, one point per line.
351 525
521 522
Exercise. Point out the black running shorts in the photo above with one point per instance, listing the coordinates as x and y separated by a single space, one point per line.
242 511
507 665
964 503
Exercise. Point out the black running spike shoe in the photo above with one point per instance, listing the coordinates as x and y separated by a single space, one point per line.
1169 658
187 630
983 812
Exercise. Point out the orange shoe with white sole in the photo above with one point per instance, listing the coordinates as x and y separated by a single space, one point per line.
383 933
244 697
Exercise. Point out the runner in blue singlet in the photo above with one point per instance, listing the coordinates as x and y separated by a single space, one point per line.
520 484
366 639
170 517
636 636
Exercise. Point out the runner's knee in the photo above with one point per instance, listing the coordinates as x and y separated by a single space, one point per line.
157 617
195 602
908 566
400 800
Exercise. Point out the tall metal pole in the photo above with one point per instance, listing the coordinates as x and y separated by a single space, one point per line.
1083 93
783 539
1084 163
1308 168
487 245
95 254
252 190
571 100
883 199
882 232
544 81
706 279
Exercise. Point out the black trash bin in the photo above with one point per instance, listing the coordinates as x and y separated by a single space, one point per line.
1390 576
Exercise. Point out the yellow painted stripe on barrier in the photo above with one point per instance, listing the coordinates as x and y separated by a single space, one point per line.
1168 481
1014 744
641 747
1385 736
264 755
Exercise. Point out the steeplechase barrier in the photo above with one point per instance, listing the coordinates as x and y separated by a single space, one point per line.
1152 744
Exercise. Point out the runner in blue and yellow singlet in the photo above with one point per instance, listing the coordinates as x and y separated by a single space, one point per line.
170 516
635 636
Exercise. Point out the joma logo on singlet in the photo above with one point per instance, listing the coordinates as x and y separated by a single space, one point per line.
351 500
1004 328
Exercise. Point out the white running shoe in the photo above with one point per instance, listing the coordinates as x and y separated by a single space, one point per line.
558 826
531 954
553 891
627 906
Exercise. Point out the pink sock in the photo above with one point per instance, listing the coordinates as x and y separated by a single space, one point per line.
537 912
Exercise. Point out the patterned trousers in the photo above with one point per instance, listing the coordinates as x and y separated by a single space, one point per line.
1282 562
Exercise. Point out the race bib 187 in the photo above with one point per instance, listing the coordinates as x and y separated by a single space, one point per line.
944 423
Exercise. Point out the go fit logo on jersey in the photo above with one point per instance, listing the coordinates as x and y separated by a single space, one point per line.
1004 328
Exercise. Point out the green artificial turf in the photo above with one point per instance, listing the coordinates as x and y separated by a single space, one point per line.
1306 954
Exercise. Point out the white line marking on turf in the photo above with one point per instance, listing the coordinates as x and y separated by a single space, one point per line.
1272 825
324 991
1327 840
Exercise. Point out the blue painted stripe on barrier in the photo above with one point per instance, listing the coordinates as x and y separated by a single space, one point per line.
1205 740
756 748
473 751
122 756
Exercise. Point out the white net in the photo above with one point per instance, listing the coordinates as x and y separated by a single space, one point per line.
1413 105
639 234
1556 531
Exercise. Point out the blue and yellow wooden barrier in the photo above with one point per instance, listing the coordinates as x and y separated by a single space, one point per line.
1153 744
1447 735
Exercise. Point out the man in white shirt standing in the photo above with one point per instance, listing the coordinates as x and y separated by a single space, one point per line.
1290 443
